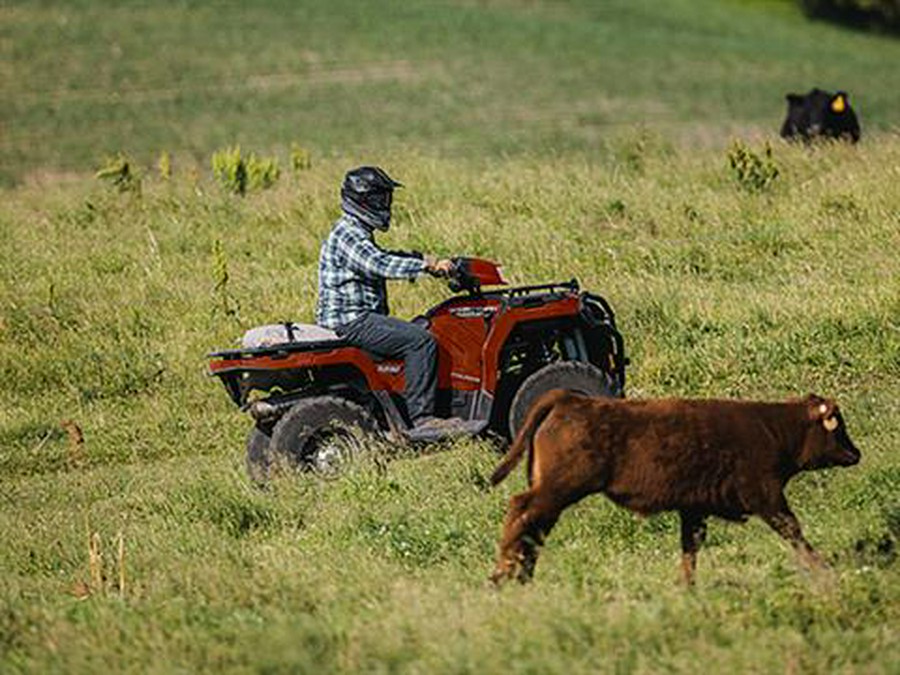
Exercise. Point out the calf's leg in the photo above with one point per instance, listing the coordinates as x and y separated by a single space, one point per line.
693 534
510 553
785 523
530 518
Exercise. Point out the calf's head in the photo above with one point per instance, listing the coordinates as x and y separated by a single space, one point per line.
827 442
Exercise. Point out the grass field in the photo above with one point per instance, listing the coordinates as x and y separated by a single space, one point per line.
452 77
613 170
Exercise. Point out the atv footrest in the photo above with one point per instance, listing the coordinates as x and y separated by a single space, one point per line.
434 434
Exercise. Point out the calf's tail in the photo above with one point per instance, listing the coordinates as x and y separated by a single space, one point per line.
524 439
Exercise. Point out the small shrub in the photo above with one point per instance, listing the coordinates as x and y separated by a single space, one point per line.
752 172
230 170
106 569
224 301
616 208
237 173
120 174
262 172
164 164
300 158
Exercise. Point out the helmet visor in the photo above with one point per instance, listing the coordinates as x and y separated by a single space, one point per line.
380 200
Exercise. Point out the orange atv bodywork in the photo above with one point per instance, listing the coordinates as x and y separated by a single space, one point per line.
488 342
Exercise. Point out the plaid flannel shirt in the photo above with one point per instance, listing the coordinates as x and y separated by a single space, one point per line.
352 273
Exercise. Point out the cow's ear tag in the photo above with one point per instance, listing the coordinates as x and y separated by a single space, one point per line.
823 409
838 104
830 423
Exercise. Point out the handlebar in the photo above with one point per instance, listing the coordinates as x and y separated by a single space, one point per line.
469 274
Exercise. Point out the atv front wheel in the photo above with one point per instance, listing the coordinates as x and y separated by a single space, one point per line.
316 434
578 376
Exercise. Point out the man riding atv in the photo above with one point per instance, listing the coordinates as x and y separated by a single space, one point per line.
353 303
479 358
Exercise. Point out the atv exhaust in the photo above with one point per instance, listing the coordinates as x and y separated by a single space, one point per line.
263 411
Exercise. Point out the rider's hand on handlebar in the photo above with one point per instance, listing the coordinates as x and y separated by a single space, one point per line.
438 267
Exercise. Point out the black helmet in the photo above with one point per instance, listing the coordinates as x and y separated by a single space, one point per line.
366 193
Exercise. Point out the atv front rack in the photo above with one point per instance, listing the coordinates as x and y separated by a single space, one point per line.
567 286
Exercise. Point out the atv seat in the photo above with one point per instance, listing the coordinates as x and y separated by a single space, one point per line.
280 338
290 333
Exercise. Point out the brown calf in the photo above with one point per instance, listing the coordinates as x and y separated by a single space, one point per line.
702 458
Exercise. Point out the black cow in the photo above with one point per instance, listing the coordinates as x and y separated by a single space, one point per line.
820 113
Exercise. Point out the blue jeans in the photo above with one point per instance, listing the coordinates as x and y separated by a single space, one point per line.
393 338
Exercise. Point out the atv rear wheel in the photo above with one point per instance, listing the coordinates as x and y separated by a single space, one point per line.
578 376
316 434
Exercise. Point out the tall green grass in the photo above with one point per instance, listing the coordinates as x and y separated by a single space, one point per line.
110 300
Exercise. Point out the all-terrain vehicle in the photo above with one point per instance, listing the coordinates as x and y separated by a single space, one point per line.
499 349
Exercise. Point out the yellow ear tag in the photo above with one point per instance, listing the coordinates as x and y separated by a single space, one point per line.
830 424
838 105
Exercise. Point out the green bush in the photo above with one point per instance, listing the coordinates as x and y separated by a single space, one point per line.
262 172
164 164
752 172
230 170
237 173
120 174
301 159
